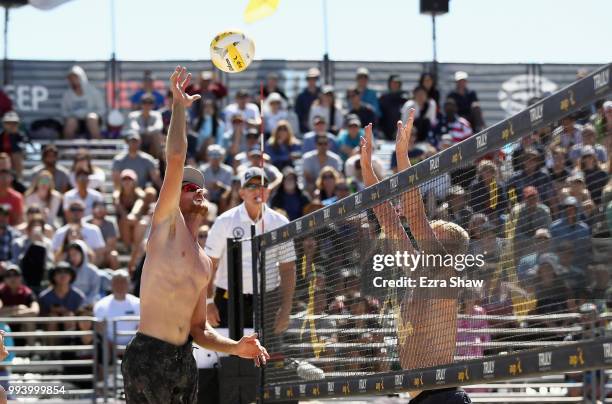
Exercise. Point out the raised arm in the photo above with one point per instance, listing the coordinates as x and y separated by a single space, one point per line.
176 147
385 213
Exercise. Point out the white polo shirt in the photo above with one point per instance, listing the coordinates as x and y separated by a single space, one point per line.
237 223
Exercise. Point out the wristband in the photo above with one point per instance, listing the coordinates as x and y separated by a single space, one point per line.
210 300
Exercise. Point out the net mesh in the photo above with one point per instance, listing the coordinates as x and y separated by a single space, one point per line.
494 254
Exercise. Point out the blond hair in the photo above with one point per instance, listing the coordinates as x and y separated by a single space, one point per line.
453 237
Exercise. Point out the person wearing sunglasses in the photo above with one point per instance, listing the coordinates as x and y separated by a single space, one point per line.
158 365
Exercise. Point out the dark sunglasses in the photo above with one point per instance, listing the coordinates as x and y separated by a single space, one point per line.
328 177
253 185
76 209
190 187
322 143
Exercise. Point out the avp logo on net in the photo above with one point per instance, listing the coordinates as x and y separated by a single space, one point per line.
536 113
434 164
545 359
440 375
601 79
481 141
488 368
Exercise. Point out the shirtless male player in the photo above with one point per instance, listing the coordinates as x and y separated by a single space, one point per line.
430 339
158 365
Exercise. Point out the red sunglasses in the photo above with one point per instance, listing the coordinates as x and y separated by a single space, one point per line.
190 187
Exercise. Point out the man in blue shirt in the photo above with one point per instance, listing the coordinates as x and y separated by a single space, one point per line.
305 99
569 228
61 298
367 94
348 139
147 87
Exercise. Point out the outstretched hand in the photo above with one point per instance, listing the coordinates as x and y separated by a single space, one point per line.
249 348
402 141
179 80
365 148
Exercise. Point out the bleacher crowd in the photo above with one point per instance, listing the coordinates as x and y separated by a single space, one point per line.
533 210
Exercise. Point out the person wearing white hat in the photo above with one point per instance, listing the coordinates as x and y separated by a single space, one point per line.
275 110
369 96
158 364
464 97
11 140
305 99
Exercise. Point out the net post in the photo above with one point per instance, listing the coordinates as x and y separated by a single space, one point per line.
234 280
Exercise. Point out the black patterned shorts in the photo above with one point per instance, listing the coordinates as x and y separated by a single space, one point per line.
155 371
451 395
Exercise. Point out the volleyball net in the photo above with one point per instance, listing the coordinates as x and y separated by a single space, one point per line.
487 260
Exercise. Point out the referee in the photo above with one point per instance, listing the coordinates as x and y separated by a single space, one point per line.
236 223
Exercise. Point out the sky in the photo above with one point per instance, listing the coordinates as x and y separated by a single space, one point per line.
484 31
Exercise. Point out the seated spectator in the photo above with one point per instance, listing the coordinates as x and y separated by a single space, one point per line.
244 107
326 183
87 278
61 299
148 124
272 86
463 96
569 133
596 178
391 104
348 139
588 139
83 192
256 159
275 111
114 125
217 175
33 253
148 89
231 197
527 142
488 193
118 304
290 197
319 128
575 276
18 300
11 140
90 234
82 106
470 347
352 170
560 168
603 124
363 111
11 198
530 215
329 109
527 260
532 174
61 175
143 164
34 212
424 115
108 227
315 160
458 208
209 88
550 290
128 201
570 228
42 193
305 99
368 96
282 147
453 124
428 82
209 128
82 161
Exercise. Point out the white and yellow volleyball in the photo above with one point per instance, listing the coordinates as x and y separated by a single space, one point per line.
232 51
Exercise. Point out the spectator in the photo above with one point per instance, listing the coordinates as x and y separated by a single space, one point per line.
603 124
364 111
114 124
488 194
87 278
252 142
272 86
326 183
256 159
208 87
43 195
32 252
456 126
149 124
530 215
315 160
119 304
319 128
527 142
230 197
82 192
82 161
217 176
428 81
61 298
235 138
5 164
588 139
10 197
18 300
275 110
305 99
550 290
82 106
368 96
352 169
242 106
142 163
527 260
128 201
468 340
290 197
348 139
425 111
148 89
569 133
329 109
61 176
8 234
32 212
11 140
91 234
559 172
458 209
209 128
532 174
108 228
569 227
282 146
391 104
463 96
594 176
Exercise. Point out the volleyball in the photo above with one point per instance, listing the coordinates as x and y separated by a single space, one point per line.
232 51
